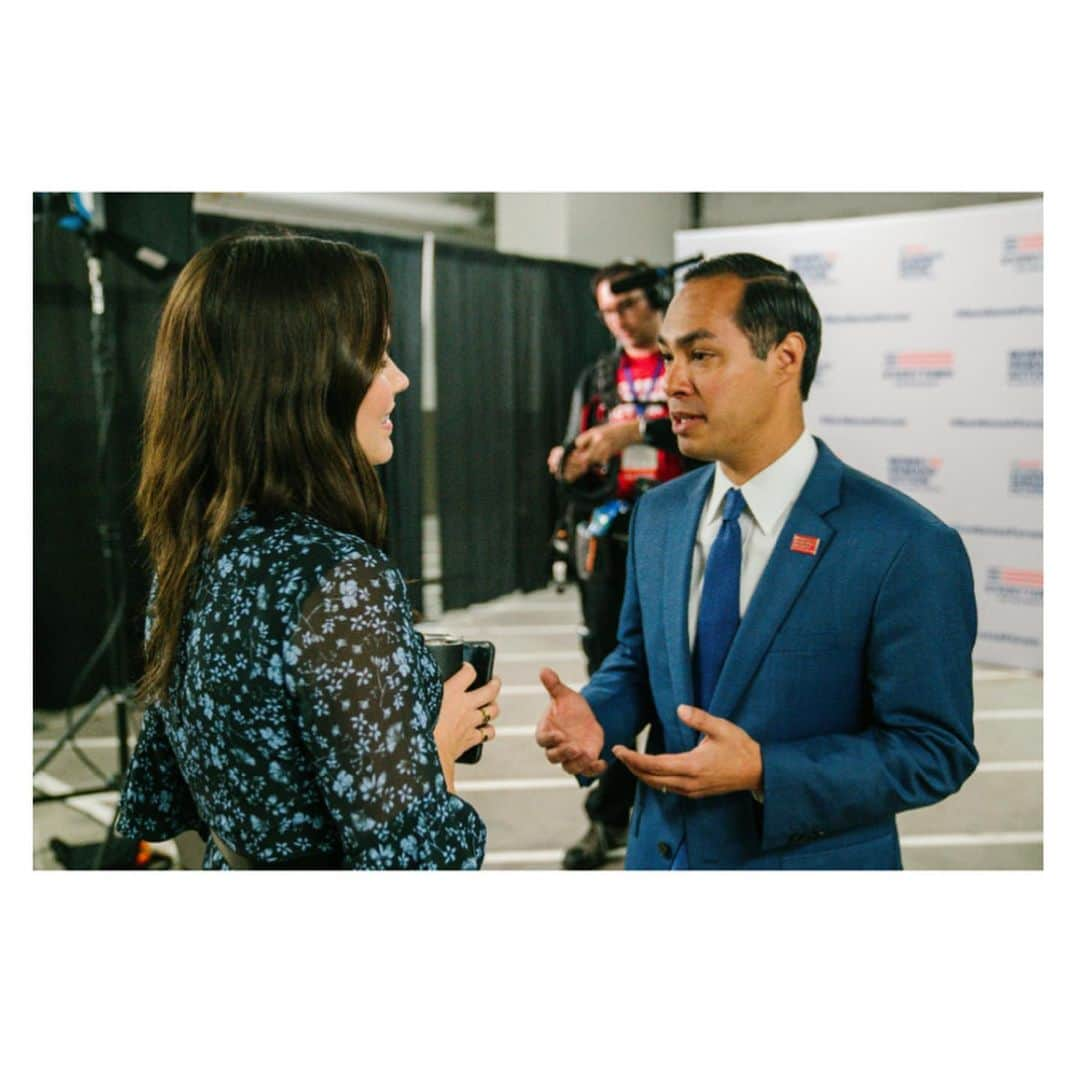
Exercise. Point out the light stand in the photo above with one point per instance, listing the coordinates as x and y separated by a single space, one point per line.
88 221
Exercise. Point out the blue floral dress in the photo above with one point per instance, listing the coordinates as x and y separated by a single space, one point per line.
301 711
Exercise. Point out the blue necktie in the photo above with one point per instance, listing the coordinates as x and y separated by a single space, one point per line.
718 616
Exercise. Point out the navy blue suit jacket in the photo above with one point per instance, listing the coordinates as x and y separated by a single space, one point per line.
851 667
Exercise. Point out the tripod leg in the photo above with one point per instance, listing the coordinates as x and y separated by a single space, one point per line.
107 841
122 735
73 729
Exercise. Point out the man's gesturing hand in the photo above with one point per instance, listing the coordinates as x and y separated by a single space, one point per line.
569 731
725 760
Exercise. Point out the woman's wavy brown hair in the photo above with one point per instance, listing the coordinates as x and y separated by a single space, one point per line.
266 347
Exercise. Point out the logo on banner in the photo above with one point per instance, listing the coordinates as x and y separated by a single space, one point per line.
1011 639
917 262
814 265
866 421
1023 253
1006 532
821 372
918 368
1002 423
1015 586
1010 312
914 473
1025 367
1026 478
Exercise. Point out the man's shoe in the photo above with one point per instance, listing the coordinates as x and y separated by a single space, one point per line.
591 851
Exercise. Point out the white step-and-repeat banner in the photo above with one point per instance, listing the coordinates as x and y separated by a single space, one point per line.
930 378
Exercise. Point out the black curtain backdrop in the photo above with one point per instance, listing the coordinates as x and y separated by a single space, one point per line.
511 336
401 477
69 595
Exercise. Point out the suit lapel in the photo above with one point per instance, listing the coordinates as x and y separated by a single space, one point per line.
680 554
785 575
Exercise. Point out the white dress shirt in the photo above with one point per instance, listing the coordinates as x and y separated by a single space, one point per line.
769 498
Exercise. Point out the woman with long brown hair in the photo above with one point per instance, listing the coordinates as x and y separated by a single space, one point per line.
293 714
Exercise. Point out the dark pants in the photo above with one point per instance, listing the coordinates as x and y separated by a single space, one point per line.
611 797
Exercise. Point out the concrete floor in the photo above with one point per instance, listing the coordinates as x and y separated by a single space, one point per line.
534 811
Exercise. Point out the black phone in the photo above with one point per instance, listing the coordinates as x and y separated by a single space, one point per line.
481 654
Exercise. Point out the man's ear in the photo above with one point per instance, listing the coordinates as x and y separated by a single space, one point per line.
788 356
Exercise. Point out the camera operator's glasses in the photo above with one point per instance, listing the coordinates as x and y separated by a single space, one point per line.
627 304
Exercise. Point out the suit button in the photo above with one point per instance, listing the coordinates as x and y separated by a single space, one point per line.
664 849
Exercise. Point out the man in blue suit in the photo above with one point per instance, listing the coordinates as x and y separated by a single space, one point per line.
804 659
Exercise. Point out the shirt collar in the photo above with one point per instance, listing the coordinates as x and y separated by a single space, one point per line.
772 491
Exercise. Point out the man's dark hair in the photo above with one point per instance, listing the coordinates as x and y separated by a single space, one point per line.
774 303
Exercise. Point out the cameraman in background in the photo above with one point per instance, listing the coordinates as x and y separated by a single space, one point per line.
618 444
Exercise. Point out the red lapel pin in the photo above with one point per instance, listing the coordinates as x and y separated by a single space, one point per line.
805 545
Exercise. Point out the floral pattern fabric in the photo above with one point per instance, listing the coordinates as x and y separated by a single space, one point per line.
301 711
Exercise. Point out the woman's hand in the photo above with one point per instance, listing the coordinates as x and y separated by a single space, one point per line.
465 717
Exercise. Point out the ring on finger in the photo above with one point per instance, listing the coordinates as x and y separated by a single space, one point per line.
485 716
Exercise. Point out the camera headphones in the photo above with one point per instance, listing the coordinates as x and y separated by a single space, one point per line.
657 294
